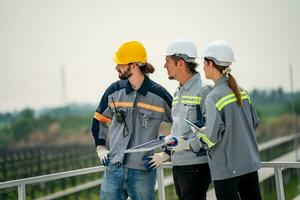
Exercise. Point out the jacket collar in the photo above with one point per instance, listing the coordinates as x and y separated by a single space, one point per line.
145 87
189 83
221 80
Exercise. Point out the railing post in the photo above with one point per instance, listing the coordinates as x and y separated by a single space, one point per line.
21 192
279 183
160 183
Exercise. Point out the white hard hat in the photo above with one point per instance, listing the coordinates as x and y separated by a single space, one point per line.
220 52
183 48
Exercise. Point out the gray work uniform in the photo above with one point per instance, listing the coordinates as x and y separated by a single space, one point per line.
143 110
230 133
187 103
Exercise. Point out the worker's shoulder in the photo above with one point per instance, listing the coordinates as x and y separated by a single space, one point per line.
206 89
218 92
116 86
155 87
159 90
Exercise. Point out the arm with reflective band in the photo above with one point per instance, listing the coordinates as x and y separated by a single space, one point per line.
214 125
228 99
102 118
95 130
100 127
100 121
204 139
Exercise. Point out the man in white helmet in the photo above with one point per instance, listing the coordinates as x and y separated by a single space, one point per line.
190 172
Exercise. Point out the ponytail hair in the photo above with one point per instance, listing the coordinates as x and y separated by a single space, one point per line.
146 68
231 80
235 88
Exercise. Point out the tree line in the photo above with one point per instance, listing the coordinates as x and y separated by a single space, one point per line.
17 125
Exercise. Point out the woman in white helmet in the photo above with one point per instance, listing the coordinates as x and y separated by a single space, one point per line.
231 120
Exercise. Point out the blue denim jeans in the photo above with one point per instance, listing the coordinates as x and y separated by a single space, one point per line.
120 182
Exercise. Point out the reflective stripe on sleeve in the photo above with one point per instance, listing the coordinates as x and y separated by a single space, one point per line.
203 137
228 99
102 118
225 98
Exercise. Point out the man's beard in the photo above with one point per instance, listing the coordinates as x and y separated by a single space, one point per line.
126 74
171 77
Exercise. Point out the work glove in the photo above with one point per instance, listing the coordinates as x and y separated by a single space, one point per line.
103 154
197 146
183 144
154 161
196 131
202 129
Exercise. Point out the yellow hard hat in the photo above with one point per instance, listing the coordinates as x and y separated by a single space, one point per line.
131 52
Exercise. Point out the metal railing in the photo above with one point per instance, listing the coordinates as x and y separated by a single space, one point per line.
21 183
277 166
277 141
39 179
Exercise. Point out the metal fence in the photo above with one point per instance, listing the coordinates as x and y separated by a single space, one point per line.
21 183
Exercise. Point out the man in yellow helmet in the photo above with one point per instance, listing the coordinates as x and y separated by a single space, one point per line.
129 114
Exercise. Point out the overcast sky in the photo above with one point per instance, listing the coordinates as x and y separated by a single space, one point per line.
39 37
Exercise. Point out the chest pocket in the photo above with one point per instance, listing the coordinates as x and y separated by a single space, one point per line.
117 125
150 118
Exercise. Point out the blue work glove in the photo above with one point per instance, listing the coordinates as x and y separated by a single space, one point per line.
155 160
103 154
